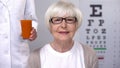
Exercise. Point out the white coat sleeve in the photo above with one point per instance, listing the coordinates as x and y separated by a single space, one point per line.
30 12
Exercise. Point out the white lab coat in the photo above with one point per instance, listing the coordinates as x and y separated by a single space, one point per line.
14 50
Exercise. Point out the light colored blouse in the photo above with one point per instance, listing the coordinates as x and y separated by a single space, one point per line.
90 58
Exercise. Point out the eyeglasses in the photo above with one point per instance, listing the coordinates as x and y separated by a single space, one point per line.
58 20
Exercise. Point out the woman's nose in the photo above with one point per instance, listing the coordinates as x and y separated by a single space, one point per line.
64 24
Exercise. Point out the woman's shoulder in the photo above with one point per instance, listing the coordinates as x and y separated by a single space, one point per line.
37 50
90 56
86 48
44 47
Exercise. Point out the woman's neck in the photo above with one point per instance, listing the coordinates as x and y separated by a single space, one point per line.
62 46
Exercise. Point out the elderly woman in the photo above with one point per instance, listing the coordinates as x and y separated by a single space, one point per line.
63 19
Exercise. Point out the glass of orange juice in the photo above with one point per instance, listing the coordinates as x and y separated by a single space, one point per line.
26 27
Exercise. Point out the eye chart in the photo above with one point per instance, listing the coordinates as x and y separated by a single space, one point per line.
101 30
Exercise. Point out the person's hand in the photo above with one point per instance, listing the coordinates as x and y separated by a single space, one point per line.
33 35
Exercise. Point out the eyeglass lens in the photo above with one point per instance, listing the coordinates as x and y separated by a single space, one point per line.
58 20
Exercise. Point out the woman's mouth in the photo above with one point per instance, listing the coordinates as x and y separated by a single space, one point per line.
64 32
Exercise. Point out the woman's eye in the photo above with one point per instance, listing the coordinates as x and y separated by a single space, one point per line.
57 19
70 19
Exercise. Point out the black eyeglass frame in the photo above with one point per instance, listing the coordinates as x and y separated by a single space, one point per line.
51 20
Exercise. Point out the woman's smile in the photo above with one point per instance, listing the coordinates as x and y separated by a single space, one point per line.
64 32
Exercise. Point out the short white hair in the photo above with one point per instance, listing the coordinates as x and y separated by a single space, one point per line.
63 7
